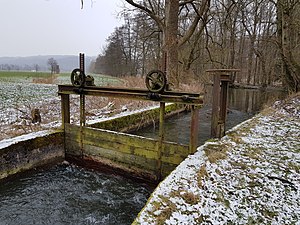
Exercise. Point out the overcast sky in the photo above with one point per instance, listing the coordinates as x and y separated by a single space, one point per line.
56 27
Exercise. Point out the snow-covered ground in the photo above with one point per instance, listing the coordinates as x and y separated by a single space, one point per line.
251 176
18 99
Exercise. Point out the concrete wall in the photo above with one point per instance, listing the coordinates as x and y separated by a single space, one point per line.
134 121
30 151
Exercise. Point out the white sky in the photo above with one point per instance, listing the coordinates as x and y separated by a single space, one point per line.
50 27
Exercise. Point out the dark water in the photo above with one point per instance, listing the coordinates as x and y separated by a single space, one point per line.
242 105
70 195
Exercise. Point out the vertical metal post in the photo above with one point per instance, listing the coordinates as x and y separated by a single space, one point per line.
82 105
161 139
82 96
194 129
81 62
215 106
82 110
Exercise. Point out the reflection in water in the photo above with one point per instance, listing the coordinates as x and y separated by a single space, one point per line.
242 105
71 195
252 101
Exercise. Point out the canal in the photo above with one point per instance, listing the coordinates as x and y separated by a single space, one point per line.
242 105
68 194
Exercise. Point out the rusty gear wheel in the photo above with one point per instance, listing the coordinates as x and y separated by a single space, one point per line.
156 81
77 78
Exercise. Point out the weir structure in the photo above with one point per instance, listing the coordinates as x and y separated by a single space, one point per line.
139 157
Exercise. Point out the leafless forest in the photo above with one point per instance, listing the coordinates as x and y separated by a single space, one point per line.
187 37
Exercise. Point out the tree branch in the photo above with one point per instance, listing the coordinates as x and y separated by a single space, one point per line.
203 10
148 12
185 2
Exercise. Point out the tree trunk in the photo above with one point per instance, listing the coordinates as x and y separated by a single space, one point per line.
171 41
290 66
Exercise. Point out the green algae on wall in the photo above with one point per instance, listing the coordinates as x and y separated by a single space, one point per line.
30 151
138 120
134 154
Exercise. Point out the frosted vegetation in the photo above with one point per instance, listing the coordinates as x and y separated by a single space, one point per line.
21 92
251 176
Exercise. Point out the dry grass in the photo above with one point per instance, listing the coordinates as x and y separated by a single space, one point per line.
202 173
133 82
51 79
166 208
190 198
215 153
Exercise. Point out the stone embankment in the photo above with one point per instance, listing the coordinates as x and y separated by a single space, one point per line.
250 176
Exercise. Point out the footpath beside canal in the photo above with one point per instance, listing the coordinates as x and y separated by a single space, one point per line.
250 176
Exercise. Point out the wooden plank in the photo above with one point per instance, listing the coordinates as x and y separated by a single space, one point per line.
111 136
121 148
170 148
174 159
215 106
65 109
123 142
167 169
72 147
119 142
128 159
128 150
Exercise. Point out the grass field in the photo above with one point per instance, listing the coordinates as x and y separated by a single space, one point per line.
21 92
19 88
46 77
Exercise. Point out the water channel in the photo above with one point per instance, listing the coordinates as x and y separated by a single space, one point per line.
67 194
242 105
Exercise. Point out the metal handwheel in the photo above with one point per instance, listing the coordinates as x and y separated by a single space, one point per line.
77 78
156 81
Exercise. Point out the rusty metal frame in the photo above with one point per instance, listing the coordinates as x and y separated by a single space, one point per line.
133 93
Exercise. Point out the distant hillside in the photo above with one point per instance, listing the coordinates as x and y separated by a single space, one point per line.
66 62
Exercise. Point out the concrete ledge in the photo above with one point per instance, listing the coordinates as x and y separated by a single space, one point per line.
30 151
137 120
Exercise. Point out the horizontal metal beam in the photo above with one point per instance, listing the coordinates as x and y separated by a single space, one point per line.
134 93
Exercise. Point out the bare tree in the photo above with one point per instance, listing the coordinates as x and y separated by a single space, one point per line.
288 35
167 22
54 67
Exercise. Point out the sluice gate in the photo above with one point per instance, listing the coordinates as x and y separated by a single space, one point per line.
141 157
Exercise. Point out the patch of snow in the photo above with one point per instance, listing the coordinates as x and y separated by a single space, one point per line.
257 183
7 142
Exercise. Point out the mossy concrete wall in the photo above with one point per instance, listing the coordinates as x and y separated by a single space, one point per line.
134 121
30 151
